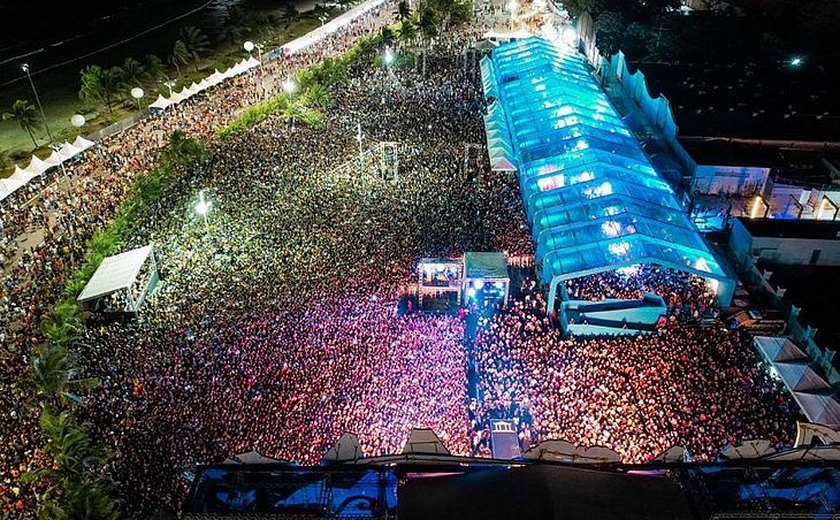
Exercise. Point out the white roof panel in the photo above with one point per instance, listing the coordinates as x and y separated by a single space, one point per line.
115 273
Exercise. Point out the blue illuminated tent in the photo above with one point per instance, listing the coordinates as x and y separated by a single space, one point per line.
594 200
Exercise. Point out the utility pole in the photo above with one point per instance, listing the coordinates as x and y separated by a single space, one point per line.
361 157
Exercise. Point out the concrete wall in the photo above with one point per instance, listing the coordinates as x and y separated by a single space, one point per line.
740 241
778 250
796 251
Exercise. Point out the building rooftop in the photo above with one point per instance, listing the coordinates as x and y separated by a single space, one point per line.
805 166
790 228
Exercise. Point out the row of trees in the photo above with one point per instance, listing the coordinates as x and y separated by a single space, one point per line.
109 85
75 483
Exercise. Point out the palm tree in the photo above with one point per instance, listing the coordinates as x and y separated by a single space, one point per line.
133 72
81 500
403 11
195 43
91 89
408 30
154 67
180 56
69 445
319 96
112 82
26 116
53 375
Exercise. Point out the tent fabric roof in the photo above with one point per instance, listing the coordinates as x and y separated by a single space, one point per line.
776 348
492 266
115 273
594 199
815 396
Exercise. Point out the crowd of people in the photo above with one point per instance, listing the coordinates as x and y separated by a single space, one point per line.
275 324
682 385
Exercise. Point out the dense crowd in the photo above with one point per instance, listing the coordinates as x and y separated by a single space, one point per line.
698 387
45 227
275 324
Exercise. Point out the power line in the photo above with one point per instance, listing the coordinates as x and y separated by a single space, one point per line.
111 46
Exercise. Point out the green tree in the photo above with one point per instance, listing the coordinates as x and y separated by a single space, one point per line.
195 43
91 91
180 56
609 30
154 68
407 30
403 11
133 72
26 116
113 80
290 15
319 96
85 500
55 377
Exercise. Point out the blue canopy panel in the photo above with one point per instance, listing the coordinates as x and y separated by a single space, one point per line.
594 200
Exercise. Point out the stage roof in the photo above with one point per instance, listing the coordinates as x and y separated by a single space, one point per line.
115 273
594 200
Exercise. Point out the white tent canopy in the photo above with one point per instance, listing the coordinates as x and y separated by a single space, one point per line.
9 186
81 143
115 273
68 151
330 27
22 174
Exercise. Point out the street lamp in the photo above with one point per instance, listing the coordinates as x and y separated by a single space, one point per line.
512 6
56 148
202 208
796 61
25 68
77 120
170 83
137 93
249 47
289 86
389 57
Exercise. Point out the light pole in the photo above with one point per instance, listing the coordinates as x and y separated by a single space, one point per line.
137 93
249 47
361 157
202 208
56 148
25 68
512 6
170 83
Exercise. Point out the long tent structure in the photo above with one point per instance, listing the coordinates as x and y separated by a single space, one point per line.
594 200
38 166
812 392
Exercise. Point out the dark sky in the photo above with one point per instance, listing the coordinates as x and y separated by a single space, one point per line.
46 32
